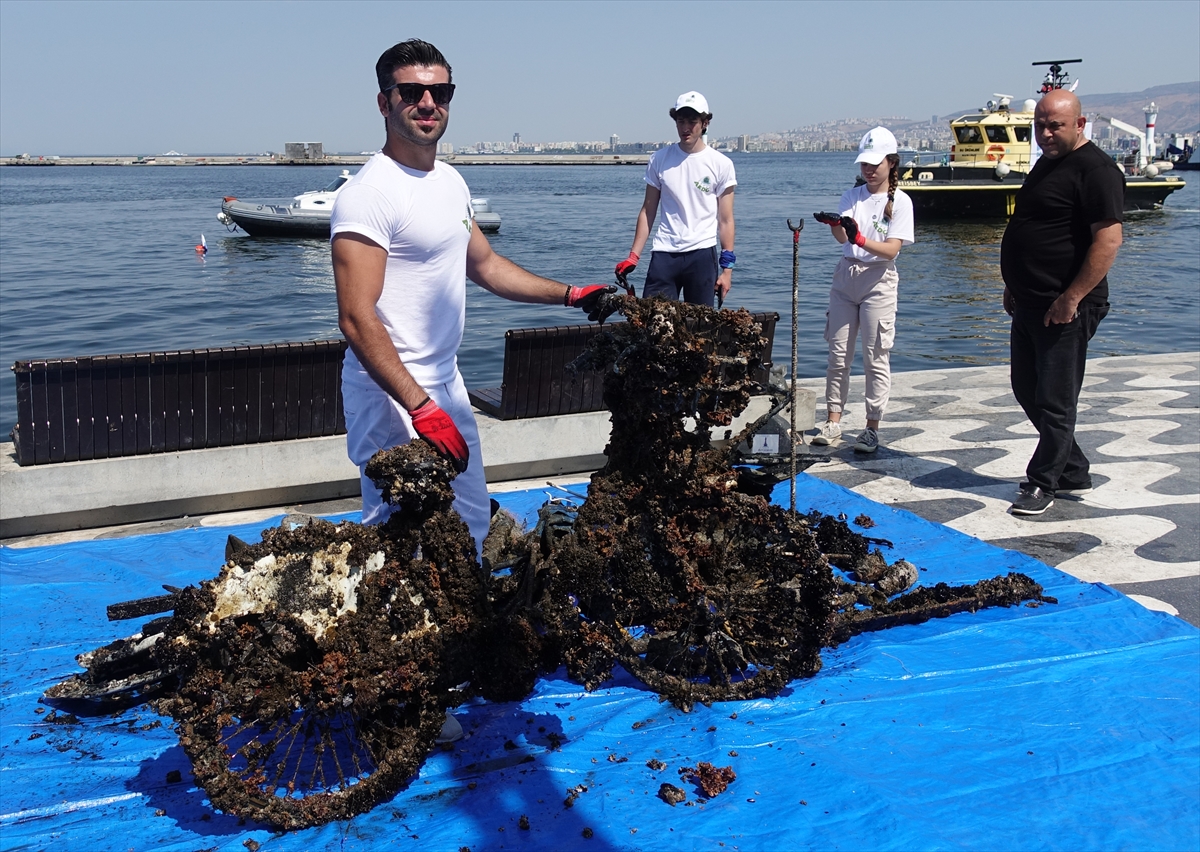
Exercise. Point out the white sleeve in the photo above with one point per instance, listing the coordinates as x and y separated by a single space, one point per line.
849 199
728 177
652 176
901 227
363 210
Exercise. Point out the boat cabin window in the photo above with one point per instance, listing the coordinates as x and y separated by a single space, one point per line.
338 181
968 135
997 133
1022 133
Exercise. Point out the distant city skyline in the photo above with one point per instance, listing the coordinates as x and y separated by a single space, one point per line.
125 78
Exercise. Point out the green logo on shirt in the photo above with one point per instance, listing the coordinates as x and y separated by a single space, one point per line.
705 185
470 218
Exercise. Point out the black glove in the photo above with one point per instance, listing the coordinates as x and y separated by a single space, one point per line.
851 229
830 219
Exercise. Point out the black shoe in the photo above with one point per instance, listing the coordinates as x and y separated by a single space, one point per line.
1074 490
1033 501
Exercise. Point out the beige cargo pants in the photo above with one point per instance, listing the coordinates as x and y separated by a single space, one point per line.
862 299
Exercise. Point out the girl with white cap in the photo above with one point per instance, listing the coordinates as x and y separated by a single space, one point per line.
874 220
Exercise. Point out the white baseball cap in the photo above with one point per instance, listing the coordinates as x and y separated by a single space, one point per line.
692 100
877 144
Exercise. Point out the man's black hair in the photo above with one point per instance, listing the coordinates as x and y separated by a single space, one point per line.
406 54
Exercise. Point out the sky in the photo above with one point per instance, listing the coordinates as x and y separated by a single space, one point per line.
115 78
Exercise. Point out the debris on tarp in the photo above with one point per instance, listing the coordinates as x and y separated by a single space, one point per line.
308 680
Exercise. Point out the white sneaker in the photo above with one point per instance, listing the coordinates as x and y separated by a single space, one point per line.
451 731
827 434
867 442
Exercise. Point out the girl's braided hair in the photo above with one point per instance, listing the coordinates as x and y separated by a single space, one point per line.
893 179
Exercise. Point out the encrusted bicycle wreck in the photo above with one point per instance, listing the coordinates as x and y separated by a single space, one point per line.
309 679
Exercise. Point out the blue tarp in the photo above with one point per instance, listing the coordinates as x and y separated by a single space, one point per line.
1073 726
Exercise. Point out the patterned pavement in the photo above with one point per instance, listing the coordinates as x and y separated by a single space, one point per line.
954 445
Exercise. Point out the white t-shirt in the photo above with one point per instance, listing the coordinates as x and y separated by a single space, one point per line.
867 210
690 185
424 221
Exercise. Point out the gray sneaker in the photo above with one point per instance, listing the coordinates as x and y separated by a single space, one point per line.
827 434
867 442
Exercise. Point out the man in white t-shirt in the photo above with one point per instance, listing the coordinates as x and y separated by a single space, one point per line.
403 245
692 185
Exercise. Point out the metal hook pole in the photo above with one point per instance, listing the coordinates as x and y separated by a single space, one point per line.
795 229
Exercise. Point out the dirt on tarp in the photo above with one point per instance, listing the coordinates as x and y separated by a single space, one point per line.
308 680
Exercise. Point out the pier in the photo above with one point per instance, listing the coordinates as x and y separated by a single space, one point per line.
953 448
1044 708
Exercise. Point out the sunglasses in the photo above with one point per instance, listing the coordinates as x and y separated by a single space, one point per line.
413 93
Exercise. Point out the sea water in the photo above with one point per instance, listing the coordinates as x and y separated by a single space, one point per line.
100 260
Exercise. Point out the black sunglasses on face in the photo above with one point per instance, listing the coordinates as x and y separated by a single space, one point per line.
413 93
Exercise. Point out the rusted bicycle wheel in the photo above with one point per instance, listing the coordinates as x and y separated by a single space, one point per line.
315 668
698 605
308 677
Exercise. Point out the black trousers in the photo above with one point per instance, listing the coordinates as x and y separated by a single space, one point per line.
1047 364
692 272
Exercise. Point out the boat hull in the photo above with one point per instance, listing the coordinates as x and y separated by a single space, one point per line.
277 219
986 197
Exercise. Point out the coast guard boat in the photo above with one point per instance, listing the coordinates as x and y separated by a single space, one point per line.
993 150
307 215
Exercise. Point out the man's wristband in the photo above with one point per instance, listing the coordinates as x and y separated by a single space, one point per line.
728 259
420 405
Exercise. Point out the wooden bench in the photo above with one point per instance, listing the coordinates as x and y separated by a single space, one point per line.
107 406
535 381
72 409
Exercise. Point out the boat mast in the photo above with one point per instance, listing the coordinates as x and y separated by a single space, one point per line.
1056 78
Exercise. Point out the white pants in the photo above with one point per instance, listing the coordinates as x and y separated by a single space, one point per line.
862 299
375 421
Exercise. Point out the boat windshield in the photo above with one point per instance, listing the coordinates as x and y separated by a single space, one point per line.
996 133
1022 133
968 134
337 183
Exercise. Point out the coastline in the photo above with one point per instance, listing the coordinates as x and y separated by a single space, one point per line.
332 160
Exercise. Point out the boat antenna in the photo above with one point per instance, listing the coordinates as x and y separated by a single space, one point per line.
1056 77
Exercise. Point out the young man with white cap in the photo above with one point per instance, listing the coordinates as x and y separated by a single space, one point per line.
874 220
693 185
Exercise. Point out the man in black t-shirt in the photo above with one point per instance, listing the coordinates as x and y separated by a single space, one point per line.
1059 245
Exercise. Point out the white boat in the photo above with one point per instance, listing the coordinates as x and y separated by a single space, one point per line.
307 214
486 219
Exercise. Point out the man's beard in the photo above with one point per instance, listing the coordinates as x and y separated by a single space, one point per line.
397 122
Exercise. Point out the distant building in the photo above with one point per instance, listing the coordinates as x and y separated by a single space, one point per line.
517 139
304 150
613 142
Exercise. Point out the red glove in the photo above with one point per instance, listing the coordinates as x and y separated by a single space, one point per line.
852 232
436 427
830 219
596 300
627 265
